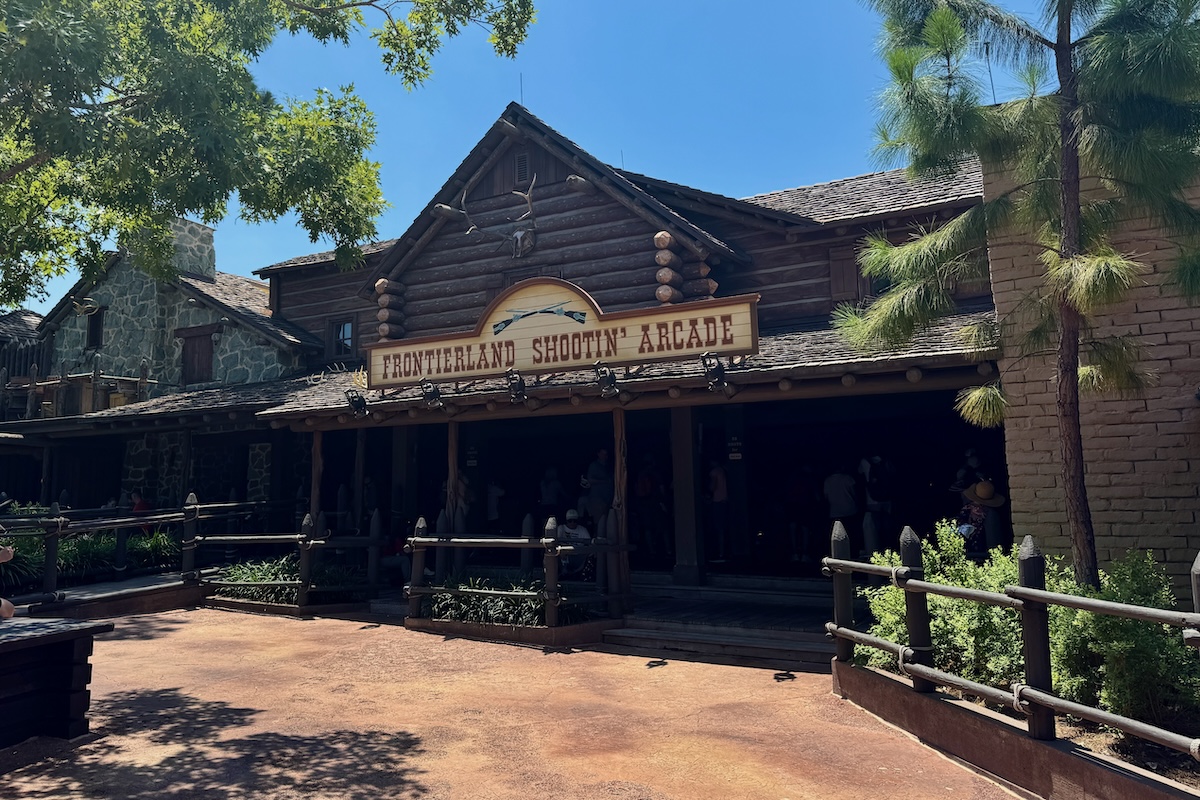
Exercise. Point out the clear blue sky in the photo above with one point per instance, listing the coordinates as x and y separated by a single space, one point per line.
733 98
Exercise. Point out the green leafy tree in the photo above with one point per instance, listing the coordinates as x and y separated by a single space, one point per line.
1106 125
118 116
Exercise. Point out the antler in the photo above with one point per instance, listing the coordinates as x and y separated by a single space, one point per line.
462 206
528 197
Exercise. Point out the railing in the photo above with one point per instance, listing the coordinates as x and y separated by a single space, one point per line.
1034 698
312 537
607 579
57 525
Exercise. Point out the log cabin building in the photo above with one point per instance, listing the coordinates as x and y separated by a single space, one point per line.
528 207
727 378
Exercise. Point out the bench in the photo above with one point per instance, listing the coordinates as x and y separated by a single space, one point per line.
44 675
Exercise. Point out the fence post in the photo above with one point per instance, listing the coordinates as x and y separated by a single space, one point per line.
306 556
1035 634
417 577
1192 636
121 554
843 591
916 608
50 568
376 536
191 523
550 564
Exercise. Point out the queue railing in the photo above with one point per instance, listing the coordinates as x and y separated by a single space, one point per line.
608 590
313 536
58 525
1033 698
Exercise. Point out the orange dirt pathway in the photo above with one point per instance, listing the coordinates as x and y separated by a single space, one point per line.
210 704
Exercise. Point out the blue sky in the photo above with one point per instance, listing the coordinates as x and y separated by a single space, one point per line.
733 98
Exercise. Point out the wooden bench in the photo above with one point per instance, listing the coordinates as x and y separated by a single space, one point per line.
44 675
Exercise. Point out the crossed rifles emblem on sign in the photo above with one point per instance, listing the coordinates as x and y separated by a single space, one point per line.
519 314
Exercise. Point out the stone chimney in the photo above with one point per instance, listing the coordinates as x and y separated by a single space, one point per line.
194 252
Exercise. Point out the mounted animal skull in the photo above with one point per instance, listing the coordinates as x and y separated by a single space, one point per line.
521 234
85 306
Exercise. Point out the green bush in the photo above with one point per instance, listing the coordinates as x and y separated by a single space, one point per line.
287 568
1127 667
489 609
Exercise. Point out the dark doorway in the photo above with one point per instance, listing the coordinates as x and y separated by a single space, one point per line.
776 458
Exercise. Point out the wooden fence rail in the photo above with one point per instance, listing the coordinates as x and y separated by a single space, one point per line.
606 579
1034 697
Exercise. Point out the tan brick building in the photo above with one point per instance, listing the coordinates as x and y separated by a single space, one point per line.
1142 453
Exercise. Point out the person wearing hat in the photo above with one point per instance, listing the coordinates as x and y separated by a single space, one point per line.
572 531
979 520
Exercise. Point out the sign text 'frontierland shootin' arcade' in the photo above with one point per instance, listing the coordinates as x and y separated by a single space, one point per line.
549 325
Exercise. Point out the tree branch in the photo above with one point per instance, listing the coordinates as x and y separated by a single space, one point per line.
34 160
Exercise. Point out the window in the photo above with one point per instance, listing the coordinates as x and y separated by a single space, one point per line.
340 342
197 359
95 329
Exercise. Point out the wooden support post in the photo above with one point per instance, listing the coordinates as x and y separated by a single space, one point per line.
684 475
843 591
47 462
1035 635
440 554
374 548
318 468
455 502
31 396
550 564
621 504
417 579
121 553
916 608
360 474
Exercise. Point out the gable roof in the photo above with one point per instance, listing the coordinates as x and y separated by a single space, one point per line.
877 194
242 299
325 257
518 123
21 324
246 300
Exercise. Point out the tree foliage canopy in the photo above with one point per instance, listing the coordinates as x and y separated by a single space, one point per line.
1106 127
117 116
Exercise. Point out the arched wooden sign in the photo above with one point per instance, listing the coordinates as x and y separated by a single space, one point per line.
549 325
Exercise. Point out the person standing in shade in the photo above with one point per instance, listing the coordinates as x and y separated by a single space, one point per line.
718 509
573 532
599 479
841 494
552 495
6 608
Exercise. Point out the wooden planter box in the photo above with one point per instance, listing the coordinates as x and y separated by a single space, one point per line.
282 609
561 636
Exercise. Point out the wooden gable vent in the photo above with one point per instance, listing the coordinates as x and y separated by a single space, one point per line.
522 167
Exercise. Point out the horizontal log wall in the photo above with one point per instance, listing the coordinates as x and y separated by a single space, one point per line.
314 297
584 238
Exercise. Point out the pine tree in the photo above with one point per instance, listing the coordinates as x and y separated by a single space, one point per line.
1107 124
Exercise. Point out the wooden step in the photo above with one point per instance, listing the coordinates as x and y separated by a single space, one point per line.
810 634
751 650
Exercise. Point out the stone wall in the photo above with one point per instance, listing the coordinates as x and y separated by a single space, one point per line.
194 251
140 319
1141 453
153 464
258 472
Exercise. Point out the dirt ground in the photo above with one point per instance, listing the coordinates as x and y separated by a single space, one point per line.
212 704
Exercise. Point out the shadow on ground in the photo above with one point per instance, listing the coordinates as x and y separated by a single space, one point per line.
146 627
164 743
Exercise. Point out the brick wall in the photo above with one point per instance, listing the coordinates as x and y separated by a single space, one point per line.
1143 453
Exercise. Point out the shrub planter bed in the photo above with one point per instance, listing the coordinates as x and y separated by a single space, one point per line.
562 636
282 609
